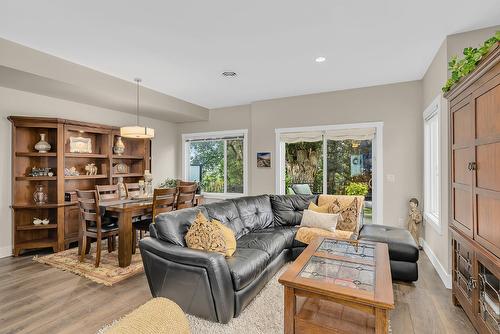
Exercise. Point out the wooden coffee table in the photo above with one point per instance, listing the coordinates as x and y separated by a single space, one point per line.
336 286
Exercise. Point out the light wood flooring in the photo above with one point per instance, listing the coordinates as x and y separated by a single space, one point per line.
35 298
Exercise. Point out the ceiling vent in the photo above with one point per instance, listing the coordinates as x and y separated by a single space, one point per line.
229 74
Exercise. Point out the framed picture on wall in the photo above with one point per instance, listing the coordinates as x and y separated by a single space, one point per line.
264 159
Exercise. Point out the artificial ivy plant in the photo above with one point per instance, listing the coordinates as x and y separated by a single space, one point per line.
459 68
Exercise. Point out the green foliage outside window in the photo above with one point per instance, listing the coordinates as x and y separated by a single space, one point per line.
209 155
356 189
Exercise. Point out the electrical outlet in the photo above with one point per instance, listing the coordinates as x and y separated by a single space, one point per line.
391 178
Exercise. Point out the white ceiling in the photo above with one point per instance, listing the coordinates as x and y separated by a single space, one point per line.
181 47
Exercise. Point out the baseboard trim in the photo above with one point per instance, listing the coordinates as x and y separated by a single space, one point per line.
5 251
445 277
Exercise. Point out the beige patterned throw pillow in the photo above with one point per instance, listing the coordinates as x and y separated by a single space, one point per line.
348 214
203 235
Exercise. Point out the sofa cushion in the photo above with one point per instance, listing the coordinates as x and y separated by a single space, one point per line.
272 242
227 213
245 265
401 245
288 233
172 226
255 212
287 209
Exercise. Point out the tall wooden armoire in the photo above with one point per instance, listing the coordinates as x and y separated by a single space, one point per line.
474 109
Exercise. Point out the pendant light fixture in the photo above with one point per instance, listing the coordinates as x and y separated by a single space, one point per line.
137 131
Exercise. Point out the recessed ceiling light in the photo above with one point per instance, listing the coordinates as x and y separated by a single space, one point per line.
229 74
320 59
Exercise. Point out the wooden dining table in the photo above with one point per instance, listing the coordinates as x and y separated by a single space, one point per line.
125 211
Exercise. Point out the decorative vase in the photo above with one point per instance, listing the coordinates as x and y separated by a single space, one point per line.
42 146
119 147
40 195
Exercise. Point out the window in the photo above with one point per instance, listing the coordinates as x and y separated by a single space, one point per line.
431 164
217 160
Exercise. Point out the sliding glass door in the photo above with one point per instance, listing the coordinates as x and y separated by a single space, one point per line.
330 161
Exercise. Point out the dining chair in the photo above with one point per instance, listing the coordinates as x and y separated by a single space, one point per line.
133 190
163 200
107 192
185 196
92 227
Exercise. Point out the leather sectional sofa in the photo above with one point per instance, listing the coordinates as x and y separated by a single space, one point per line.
216 288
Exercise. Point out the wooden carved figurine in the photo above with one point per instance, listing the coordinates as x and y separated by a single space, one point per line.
91 169
414 221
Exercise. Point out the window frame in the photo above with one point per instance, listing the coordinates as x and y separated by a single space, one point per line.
432 160
218 135
377 158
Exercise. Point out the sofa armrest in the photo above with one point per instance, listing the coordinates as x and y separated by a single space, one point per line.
203 277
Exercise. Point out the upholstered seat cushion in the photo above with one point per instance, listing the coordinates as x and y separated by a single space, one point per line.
255 212
246 265
105 228
227 213
401 245
287 209
272 242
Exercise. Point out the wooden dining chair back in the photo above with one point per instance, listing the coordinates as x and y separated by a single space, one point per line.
107 192
91 226
133 190
186 183
163 200
185 196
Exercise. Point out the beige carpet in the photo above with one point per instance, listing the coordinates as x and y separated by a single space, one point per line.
264 315
108 272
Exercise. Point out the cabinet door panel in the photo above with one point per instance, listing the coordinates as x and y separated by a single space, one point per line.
488 114
462 129
462 158
488 229
71 222
488 166
463 210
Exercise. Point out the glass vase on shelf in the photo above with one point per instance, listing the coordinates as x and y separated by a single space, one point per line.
40 195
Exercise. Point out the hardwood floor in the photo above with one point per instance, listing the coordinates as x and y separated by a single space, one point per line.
35 298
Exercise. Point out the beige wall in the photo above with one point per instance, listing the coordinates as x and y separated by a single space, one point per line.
397 105
14 102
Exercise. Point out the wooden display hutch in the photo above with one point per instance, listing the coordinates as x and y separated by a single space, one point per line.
63 215
474 109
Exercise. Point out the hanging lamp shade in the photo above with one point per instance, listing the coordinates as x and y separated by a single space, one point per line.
137 131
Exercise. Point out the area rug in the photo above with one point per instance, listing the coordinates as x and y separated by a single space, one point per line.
264 315
108 272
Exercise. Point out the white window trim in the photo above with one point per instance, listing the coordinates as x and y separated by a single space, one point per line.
378 165
433 110
218 134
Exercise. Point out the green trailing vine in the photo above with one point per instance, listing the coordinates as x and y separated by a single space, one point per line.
459 68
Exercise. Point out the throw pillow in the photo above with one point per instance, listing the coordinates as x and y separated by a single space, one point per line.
321 209
229 237
308 234
349 215
203 235
325 221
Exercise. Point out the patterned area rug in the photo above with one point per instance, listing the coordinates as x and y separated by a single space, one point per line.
108 272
